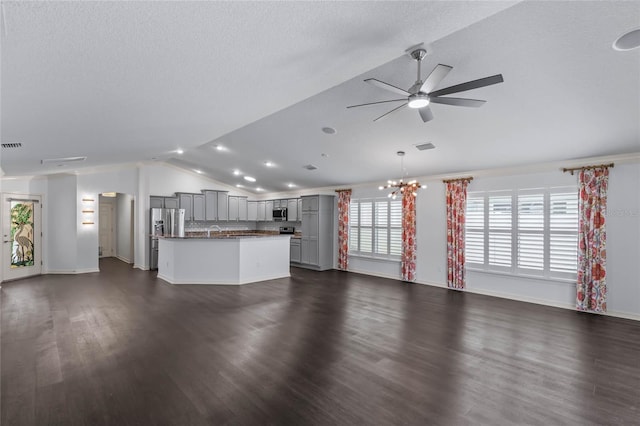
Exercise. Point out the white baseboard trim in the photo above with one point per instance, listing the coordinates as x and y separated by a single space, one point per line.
509 296
72 271
124 259
357 271
213 282
141 267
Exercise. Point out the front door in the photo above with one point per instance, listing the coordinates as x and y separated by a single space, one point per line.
21 235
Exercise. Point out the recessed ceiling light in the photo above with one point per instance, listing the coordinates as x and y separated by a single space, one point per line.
239 186
249 179
310 167
198 171
237 172
220 148
628 41
179 151
324 155
329 130
291 185
258 189
269 164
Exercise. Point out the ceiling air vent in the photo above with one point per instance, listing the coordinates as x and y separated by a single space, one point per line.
12 145
62 160
425 146
310 167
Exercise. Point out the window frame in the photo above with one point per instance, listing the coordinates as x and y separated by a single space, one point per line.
376 228
517 231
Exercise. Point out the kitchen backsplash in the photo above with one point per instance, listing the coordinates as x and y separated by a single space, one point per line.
235 226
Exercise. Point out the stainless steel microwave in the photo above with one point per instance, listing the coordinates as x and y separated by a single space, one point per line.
280 214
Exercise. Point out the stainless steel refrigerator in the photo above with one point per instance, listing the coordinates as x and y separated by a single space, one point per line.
163 223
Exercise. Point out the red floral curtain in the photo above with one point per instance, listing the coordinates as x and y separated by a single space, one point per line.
344 199
592 237
408 236
456 192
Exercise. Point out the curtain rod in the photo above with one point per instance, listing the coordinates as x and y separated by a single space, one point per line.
343 190
573 169
470 178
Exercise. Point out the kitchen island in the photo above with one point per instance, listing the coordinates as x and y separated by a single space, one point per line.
223 259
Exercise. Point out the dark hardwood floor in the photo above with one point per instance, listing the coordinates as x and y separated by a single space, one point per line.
121 347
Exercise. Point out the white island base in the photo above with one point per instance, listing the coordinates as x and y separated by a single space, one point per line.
228 260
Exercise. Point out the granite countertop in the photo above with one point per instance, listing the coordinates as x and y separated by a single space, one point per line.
227 235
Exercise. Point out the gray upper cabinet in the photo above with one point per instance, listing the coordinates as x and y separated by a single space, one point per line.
237 208
261 211
211 205
156 202
310 204
186 203
223 206
268 210
193 205
292 210
242 209
233 208
160 202
198 207
171 203
252 211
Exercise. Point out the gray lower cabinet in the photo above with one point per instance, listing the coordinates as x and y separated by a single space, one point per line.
295 254
316 249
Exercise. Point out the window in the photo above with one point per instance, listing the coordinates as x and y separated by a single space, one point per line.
375 228
530 232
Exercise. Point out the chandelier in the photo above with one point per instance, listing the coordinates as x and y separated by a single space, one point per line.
400 187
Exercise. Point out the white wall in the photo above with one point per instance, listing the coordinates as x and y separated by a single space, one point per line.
623 242
62 227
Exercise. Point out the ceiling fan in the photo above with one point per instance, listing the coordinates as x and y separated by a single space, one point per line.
422 93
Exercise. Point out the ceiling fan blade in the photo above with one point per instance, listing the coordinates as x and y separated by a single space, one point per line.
436 76
475 84
426 114
458 102
380 102
390 112
387 86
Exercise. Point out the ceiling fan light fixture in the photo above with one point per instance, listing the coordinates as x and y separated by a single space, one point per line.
418 100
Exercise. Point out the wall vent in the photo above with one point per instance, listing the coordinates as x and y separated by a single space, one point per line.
12 145
310 167
425 146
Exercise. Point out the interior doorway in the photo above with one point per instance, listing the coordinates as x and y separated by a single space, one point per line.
106 231
116 226
21 235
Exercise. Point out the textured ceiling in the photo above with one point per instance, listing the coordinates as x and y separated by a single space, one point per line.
121 82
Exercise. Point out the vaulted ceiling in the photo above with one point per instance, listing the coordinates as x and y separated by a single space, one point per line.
122 82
